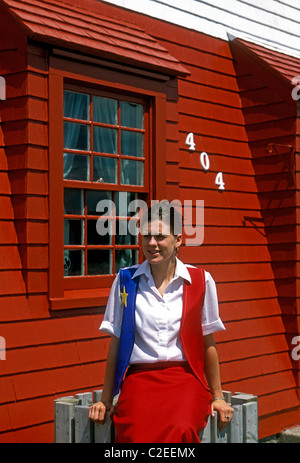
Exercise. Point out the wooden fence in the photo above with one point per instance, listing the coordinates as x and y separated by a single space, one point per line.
72 424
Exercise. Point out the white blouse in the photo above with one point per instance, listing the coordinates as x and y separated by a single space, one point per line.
158 317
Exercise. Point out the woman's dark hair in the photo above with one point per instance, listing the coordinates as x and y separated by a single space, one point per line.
165 211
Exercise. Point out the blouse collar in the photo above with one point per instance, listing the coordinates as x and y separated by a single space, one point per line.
180 270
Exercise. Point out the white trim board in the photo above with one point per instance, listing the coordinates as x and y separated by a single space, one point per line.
274 24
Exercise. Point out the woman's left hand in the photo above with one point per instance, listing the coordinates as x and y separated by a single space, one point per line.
225 412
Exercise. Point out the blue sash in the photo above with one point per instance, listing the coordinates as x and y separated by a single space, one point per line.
128 287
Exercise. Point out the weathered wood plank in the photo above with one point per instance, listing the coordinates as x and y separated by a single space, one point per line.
84 427
237 425
64 429
250 422
205 434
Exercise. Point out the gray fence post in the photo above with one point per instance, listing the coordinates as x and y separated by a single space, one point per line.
217 436
84 429
250 422
225 435
250 416
97 396
205 434
85 398
237 425
64 413
102 432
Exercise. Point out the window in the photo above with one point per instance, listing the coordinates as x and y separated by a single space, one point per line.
105 162
107 144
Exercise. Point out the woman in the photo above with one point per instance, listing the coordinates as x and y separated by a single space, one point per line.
172 383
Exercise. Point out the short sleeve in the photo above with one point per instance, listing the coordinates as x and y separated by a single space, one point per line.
211 321
112 320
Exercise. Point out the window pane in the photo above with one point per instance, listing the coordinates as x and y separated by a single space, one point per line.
76 105
73 262
73 201
132 144
122 201
76 167
105 229
132 172
105 140
132 115
105 110
99 232
105 170
125 258
76 136
99 133
99 262
93 198
124 234
73 232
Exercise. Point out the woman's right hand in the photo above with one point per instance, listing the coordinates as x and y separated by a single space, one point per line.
98 411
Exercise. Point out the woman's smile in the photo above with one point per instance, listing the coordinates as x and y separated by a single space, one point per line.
153 254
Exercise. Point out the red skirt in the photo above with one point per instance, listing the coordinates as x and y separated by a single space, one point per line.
161 404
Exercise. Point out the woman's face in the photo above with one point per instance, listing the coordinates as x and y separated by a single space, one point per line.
158 243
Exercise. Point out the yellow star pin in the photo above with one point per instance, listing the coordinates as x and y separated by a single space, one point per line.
124 297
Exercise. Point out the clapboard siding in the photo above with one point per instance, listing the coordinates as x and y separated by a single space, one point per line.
71 378
190 55
210 94
207 110
11 278
270 118
277 381
244 368
46 356
297 169
240 349
224 121
274 178
234 236
264 307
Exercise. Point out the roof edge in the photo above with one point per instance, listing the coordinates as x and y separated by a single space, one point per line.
238 45
168 65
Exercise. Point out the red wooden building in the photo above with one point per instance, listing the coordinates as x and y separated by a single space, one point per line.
101 100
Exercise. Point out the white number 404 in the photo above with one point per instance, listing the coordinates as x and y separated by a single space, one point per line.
204 160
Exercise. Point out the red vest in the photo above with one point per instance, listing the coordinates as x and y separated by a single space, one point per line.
191 335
